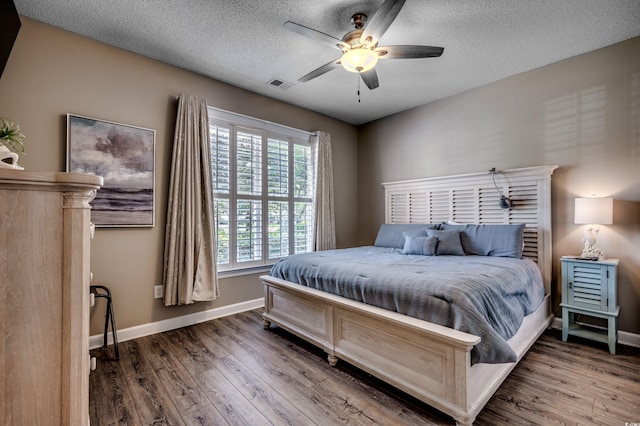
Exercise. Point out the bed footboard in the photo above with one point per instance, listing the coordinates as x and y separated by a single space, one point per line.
301 314
435 361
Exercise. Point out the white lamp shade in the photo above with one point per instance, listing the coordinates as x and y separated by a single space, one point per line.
594 211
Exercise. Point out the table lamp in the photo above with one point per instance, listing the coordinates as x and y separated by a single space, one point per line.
593 212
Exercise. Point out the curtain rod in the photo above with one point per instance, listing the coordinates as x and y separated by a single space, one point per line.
266 122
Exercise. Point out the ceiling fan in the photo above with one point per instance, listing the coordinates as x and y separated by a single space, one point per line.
359 47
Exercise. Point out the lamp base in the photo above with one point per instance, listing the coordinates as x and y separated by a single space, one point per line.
592 253
589 241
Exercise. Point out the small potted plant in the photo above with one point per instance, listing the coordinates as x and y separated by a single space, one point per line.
11 146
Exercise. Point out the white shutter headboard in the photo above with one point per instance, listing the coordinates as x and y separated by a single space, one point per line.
472 198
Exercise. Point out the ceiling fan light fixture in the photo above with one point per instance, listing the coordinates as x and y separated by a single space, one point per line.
359 47
359 60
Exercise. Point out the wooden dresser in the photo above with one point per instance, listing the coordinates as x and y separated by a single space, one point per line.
44 297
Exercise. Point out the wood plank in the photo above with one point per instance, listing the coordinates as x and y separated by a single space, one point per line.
531 403
229 401
287 382
109 395
370 404
307 360
205 416
191 353
245 341
153 403
594 356
591 384
206 335
269 402
571 381
186 393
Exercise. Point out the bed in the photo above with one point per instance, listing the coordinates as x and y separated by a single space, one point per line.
442 365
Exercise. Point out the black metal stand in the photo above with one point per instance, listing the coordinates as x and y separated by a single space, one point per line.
104 292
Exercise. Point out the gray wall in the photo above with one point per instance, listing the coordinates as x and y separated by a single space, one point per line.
582 114
53 72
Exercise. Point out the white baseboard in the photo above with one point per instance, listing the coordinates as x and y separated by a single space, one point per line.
624 337
130 333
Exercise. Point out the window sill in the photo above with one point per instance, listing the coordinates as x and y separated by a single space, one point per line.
230 273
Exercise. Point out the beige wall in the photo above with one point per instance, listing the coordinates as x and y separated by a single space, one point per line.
52 72
582 114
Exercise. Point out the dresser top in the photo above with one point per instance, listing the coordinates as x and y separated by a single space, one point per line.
22 179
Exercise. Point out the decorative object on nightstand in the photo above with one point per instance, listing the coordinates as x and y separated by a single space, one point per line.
589 289
592 212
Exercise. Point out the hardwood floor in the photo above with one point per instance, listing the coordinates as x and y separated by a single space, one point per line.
230 371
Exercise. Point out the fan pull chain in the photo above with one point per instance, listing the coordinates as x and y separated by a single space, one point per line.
358 77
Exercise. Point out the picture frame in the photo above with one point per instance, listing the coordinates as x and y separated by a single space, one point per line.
124 155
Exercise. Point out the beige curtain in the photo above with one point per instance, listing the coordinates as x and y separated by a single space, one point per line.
325 228
190 240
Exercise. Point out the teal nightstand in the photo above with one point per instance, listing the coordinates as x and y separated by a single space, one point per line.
589 288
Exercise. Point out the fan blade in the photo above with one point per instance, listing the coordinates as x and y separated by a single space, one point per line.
315 35
408 52
381 21
321 70
370 78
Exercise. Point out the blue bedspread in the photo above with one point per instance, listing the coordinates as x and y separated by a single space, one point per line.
484 296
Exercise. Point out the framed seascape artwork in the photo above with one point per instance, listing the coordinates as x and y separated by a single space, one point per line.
124 156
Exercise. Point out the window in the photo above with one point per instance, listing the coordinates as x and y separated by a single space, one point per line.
262 181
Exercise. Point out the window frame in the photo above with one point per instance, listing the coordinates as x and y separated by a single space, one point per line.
267 131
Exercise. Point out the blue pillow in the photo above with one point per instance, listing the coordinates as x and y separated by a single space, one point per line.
491 240
421 245
392 234
448 242
418 232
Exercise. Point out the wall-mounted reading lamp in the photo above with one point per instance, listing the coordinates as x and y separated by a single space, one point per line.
504 202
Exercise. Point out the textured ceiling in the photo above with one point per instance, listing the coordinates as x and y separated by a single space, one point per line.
243 42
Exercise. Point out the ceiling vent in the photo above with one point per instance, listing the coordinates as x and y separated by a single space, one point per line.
281 84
